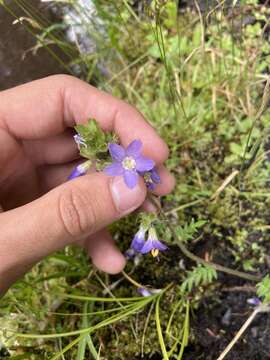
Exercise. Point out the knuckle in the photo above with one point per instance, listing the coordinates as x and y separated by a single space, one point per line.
61 77
76 216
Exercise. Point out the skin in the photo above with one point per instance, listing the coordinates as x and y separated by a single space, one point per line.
40 211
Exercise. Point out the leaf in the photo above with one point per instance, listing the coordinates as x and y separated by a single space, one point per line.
201 275
95 140
187 232
263 289
159 332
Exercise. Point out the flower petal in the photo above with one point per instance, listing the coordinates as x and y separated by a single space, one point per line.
144 292
131 178
134 148
76 173
80 170
155 176
144 164
137 243
147 247
114 169
254 301
117 152
150 186
158 245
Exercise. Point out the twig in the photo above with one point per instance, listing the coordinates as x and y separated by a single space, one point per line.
245 288
184 206
225 183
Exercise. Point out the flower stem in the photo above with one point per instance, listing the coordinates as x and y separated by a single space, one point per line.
132 281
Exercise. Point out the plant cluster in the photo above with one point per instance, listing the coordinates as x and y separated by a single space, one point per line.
201 79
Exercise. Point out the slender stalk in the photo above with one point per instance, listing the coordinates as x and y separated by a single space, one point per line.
264 105
132 281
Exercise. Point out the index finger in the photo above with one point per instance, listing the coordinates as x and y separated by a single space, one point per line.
46 107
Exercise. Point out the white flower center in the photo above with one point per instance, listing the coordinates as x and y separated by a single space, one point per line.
129 163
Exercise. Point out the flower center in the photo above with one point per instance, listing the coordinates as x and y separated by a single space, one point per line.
129 163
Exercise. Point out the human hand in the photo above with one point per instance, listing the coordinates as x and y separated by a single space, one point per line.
42 212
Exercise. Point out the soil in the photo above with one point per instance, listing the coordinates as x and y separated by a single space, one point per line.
217 322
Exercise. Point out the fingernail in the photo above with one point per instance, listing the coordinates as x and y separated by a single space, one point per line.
126 199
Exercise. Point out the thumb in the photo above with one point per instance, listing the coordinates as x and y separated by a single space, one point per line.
75 209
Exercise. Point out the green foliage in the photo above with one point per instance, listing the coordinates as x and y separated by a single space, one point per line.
187 231
96 141
263 289
201 275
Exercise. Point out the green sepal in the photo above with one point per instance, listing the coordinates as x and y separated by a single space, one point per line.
95 139
147 219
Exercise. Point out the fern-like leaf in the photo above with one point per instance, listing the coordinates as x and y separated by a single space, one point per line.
201 275
263 289
188 230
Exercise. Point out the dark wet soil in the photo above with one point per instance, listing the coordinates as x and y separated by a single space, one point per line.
217 322
17 64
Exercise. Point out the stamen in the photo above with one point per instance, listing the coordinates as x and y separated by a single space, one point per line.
147 177
129 163
154 252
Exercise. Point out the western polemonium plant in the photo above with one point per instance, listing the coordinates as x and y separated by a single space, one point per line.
97 147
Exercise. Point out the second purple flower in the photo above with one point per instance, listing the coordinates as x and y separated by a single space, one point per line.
128 162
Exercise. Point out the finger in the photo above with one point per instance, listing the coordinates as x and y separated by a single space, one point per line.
66 214
48 106
52 176
104 253
53 150
55 175
167 182
148 206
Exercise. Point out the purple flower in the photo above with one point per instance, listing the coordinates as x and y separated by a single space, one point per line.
152 244
128 162
151 178
139 239
79 140
254 301
148 292
80 170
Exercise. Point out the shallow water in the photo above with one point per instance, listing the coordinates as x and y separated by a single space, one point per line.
17 64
